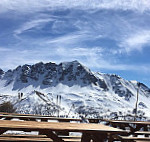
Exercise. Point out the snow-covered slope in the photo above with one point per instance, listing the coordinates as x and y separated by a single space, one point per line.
70 88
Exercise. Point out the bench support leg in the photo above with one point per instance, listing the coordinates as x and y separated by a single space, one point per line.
2 131
52 135
99 137
86 137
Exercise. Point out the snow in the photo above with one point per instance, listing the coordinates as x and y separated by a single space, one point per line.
77 96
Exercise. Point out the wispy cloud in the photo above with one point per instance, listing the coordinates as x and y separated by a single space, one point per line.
136 41
31 24
69 40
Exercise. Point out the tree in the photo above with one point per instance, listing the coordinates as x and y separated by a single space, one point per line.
7 107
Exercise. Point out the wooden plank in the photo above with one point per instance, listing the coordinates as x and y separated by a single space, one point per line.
27 137
38 136
12 139
95 131
142 132
55 126
19 114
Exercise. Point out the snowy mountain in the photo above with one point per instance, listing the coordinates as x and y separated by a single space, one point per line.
70 88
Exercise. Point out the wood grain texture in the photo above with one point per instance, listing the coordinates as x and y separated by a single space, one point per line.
13 139
25 139
55 126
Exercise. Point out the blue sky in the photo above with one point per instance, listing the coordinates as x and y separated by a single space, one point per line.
106 36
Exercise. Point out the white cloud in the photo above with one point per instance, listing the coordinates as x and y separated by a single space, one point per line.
136 41
38 5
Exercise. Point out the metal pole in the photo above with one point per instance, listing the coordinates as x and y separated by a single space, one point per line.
57 113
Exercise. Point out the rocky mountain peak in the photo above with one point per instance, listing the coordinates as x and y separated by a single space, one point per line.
70 73
51 74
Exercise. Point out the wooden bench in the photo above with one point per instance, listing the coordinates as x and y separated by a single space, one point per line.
131 138
13 139
36 117
142 132
40 138
139 141
31 117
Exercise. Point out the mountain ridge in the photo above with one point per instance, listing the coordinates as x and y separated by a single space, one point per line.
90 93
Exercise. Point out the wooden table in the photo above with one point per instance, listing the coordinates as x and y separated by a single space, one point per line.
97 132
31 117
132 125
36 117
